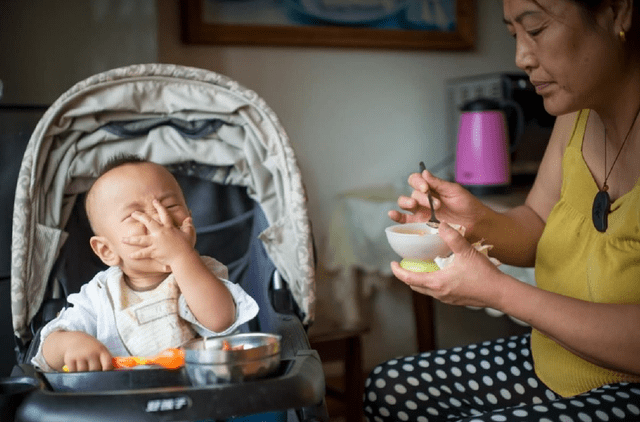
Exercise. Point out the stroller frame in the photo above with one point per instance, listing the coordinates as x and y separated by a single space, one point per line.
240 149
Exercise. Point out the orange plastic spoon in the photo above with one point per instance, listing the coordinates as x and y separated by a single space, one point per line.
169 359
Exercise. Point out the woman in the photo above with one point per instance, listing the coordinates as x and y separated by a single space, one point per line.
580 227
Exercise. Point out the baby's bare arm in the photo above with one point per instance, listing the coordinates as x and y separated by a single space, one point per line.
208 298
77 350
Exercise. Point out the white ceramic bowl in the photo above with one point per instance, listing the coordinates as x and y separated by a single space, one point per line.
416 241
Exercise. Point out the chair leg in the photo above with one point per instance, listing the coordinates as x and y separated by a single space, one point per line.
354 383
425 326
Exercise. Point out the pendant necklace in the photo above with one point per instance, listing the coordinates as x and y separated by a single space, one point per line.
602 201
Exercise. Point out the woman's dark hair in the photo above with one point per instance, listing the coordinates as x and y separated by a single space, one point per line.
592 7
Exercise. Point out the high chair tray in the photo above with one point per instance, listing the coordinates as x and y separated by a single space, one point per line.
119 380
131 379
156 394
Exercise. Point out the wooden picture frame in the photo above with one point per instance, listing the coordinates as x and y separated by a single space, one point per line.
196 31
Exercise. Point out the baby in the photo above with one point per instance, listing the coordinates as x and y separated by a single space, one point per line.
158 292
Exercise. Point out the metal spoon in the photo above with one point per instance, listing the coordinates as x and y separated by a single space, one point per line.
433 221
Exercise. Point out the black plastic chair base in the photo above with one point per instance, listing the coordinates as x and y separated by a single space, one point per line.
299 384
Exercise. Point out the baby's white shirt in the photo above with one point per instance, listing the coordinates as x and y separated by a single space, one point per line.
95 306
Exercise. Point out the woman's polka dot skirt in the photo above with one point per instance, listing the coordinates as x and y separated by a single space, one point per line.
492 381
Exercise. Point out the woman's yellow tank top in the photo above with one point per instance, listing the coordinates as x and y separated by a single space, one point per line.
574 259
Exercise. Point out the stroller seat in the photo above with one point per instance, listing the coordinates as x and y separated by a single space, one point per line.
237 169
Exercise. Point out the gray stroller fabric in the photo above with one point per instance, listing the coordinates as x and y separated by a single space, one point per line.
177 116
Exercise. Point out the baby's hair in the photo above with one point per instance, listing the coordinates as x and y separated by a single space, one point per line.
120 160
113 163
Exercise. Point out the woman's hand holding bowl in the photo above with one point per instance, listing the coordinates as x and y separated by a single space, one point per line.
470 280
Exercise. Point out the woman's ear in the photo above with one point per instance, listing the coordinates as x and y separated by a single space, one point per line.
101 247
622 13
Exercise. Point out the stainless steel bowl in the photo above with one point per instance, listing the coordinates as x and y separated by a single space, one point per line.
208 363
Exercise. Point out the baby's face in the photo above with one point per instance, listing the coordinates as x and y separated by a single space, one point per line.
128 188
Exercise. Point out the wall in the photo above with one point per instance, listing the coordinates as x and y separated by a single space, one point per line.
356 118
47 46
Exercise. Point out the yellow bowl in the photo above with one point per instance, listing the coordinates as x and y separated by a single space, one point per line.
419 266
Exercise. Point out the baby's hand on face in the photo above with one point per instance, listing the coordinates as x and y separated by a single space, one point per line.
189 230
165 242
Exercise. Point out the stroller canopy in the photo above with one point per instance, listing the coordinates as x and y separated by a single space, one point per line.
177 116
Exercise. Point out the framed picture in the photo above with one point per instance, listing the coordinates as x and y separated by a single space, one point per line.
391 24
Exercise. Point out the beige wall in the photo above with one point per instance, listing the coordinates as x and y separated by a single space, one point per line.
47 46
356 118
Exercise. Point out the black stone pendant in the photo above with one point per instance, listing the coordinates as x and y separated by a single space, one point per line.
600 211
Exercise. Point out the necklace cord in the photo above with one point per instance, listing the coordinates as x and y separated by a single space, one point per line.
604 184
